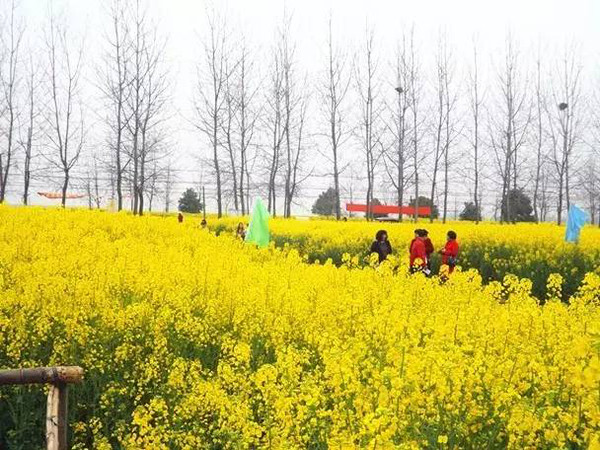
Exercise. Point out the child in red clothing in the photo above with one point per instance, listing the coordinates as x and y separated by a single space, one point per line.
450 251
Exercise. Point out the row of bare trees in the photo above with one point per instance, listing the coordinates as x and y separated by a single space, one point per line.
524 130
46 113
409 125
135 87
40 99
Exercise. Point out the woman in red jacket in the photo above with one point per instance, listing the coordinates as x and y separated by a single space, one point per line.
450 251
428 247
418 253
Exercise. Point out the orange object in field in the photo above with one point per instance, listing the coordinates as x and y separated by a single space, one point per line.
57 195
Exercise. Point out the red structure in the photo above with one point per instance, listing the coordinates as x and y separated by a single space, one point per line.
424 211
58 195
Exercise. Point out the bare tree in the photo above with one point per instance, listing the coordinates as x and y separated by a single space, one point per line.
246 118
397 158
152 183
297 153
10 84
114 84
27 141
239 121
450 131
539 136
144 100
209 106
367 83
228 125
64 113
544 194
92 183
565 123
294 115
414 89
590 182
151 126
476 100
334 90
440 116
509 124
274 124
595 129
168 185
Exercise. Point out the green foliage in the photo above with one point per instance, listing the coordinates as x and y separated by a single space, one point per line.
325 205
470 212
377 202
424 201
190 202
516 207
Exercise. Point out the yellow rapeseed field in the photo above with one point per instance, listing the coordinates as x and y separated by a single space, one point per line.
195 341
533 251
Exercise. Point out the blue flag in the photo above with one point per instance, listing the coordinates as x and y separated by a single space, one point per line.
575 221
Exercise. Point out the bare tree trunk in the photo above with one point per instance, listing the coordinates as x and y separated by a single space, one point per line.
97 198
439 121
230 113
368 85
511 128
168 187
335 89
66 134
286 52
539 139
415 89
398 157
10 83
28 144
246 123
566 92
274 119
115 83
213 75
475 105
137 99
449 104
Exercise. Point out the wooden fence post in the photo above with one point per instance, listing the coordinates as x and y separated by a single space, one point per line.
56 417
56 410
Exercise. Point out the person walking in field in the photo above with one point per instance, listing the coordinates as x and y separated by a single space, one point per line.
418 253
240 232
180 218
450 251
381 245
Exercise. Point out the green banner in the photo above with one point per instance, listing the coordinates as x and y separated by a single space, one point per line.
258 231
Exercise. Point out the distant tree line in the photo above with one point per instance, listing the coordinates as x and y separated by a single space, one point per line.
424 128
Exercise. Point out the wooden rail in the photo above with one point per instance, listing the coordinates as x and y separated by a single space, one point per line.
59 379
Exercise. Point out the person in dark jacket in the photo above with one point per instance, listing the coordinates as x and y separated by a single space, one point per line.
381 245
241 231
180 218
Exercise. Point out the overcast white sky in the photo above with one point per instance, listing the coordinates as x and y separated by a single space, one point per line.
549 22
